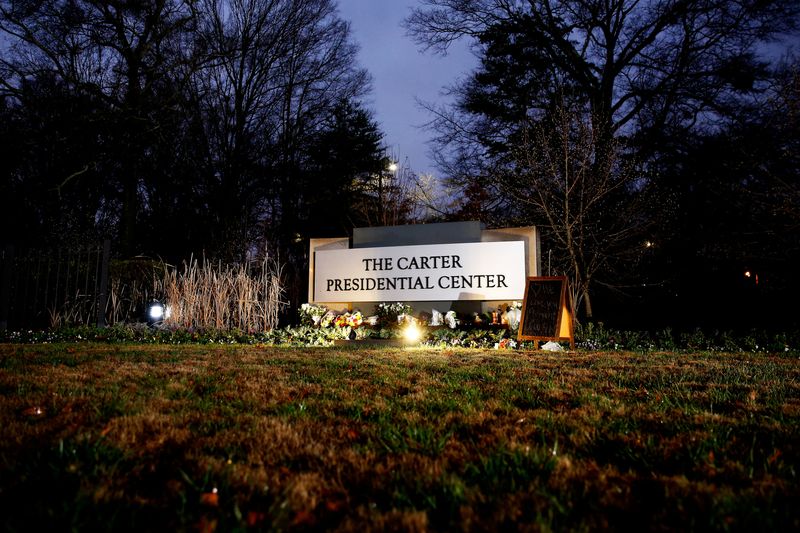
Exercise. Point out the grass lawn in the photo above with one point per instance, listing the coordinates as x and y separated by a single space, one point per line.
128 437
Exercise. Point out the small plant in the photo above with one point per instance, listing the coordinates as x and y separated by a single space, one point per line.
665 340
388 313
311 314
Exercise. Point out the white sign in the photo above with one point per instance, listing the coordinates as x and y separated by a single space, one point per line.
463 271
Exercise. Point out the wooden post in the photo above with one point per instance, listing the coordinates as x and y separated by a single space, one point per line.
102 296
5 288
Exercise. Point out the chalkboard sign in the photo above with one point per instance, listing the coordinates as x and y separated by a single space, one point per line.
546 311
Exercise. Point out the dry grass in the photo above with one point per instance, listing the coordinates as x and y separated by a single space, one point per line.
218 296
206 295
197 437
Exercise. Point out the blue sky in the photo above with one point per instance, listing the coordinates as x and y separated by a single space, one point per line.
401 74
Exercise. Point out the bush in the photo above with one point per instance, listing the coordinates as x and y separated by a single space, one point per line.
589 337
595 336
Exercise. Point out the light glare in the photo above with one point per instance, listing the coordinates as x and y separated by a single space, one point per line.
156 312
412 333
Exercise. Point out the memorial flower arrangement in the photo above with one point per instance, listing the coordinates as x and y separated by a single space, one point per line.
390 318
327 319
351 320
389 313
347 324
512 315
311 314
506 344
450 319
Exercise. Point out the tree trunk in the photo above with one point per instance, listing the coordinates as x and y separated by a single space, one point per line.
587 304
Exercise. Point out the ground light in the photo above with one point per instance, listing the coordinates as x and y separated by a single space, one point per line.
412 333
156 312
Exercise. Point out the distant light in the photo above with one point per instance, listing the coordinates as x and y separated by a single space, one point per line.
392 166
747 273
412 333
648 244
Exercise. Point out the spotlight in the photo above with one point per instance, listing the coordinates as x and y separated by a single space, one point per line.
412 334
156 313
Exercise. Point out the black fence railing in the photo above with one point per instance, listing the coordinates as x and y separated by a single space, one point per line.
47 288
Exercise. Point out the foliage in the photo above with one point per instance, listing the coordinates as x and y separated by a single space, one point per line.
583 195
349 156
589 337
311 314
646 78
642 69
393 196
203 295
741 186
131 437
133 284
181 127
595 336
388 313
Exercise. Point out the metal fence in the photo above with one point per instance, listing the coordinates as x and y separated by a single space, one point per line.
47 288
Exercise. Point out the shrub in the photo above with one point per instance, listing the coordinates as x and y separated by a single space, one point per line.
591 337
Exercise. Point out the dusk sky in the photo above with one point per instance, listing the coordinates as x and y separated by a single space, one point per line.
401 74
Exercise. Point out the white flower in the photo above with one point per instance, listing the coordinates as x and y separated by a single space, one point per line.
450 319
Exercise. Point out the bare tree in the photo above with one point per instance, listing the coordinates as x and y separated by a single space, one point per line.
393 196
638 72
318 74
642 64
239 91
120 52
277 70
785 185
207 103
592 218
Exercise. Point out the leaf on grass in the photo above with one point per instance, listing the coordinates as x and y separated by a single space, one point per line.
206 525
774 457
255 518
209 498
335 505
304 518
34 411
